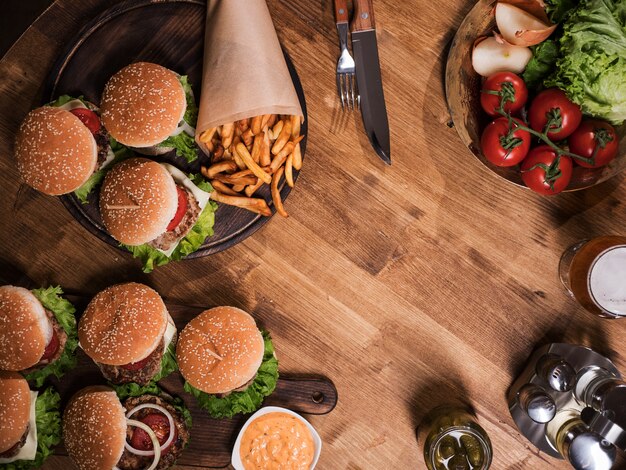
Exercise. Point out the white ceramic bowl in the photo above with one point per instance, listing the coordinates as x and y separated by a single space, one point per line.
317 441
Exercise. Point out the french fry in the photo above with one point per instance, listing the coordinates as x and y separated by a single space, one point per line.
240 164
295 126
222 188
229 179
243 153
207 136
239 187
228 131
281 157
252 204
256 148
278 203
218 153
297 157
255 124
264 120
265 158
271 121
253 188
289 170
247 136
243 125
276 130
220 167
283 138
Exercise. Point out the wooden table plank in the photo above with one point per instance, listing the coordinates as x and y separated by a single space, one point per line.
410 285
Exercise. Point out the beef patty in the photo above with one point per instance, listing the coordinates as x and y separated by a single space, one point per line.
119 375
130 461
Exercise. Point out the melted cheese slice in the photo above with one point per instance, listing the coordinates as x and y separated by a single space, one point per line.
201 196
170 331
74 104
29 450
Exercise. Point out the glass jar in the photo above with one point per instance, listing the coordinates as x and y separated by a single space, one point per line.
453 440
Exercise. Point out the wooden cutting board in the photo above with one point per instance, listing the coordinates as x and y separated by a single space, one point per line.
211 440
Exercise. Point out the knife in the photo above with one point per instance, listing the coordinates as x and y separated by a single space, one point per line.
365 50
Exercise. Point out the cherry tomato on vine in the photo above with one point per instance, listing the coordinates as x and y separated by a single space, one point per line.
503 86
594 137
545 172
553 108
503 146
88 118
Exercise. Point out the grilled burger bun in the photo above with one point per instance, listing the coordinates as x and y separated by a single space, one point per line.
142 105
15 405
124 329
55 152
221 332
26 329
95 429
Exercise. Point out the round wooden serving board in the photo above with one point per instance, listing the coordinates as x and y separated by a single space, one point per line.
170 33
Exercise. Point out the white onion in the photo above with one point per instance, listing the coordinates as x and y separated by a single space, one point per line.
170 438
153 438
183 126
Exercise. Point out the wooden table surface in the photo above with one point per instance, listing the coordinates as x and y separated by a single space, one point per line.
425 282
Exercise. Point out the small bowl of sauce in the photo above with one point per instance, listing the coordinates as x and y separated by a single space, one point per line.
276 438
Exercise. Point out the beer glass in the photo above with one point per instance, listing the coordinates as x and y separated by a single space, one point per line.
594 273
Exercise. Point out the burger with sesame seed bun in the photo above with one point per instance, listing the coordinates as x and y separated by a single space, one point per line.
151 109
156 211
63 148
37 332
103 430
127 331
227 363
30 423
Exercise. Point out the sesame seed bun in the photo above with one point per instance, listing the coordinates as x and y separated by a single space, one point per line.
142 104
138 182
122 324
228 332
25 331
94 428
14 409
55 152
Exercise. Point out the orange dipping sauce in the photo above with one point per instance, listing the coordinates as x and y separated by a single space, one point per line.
277 441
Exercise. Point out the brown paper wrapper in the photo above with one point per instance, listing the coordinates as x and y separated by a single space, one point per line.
244 72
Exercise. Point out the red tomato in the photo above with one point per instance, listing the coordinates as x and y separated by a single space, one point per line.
181 211
88 118
136 365
503 146
503 85
542 173
160 425
553 105
594 137
51 348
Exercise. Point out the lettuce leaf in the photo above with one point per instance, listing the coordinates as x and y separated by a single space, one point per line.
168 365
151 257
252 397
558 10
542 63
591 68
63 311
48 419
183 143
121 153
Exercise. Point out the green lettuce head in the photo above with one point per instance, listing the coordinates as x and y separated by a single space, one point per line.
591 68
248 400
63 311
48 420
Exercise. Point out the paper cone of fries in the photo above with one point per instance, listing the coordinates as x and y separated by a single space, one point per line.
244 71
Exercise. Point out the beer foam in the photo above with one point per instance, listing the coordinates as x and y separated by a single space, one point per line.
607 280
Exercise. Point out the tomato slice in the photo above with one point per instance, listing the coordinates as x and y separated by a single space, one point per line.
88 118
160 425
51 348
136 365
180 211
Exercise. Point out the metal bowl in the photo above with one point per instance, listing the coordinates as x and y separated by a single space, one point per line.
463 96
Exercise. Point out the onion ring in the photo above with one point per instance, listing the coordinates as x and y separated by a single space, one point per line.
153 438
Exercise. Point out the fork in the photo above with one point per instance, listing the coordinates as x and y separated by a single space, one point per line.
346 79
